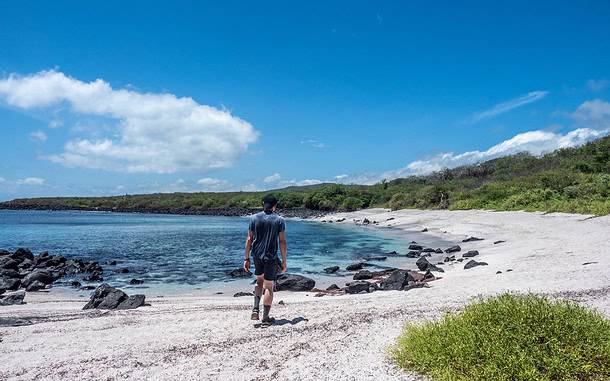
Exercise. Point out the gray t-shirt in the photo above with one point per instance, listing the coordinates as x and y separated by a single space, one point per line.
266 228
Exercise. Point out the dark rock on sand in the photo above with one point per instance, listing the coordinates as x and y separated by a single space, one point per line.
355 266
472 263
423 264
449 259
438 251
333 287
498 272
396 281
363 274
241 293
471 239
497 242
14 322
357 287
135 281
122 270
240 273
453 249
133 301
12 298
42 276
10 273
10 283
415 247
470 254
428 250
75 284
294 282
413 254
111 263
107 297
331 269
35 286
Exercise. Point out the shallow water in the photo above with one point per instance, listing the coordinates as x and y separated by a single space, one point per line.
172 252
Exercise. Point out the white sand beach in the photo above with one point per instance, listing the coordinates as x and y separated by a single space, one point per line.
329 338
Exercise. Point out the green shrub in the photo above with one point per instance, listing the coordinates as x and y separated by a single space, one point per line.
510 337
352 203
400 201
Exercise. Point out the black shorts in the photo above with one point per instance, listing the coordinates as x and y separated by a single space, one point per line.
266 267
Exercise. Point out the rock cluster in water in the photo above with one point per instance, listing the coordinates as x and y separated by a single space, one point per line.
24 270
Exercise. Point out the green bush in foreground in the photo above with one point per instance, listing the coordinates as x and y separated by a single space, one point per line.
510 337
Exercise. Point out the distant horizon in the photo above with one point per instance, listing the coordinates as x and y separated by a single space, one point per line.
183 99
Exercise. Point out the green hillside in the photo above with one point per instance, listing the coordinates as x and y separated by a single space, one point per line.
567 180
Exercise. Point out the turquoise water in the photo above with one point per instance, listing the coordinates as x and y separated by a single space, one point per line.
183 251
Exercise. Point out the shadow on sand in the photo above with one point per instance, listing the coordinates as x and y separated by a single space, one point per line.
279 322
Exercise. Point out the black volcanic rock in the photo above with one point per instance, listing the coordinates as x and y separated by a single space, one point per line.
357 287
472 263
355 266
294 282
471 239
240 273
470 254
331 269
363 274
106 297
12 298
453 249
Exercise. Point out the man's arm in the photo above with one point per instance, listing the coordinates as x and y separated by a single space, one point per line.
283 249
247 252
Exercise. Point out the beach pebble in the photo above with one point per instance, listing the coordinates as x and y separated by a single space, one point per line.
241 293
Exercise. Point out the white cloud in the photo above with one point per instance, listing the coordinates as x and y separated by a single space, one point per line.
56 123
32 181
592 118
38 136
155 132
596 85
213 184
314 143
273 178
503 107
300 182
341 177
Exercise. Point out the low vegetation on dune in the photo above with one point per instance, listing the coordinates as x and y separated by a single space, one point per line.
510 337
575 180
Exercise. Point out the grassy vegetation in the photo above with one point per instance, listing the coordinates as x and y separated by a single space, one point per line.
510 337
573 180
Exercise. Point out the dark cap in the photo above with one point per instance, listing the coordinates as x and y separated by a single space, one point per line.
269 201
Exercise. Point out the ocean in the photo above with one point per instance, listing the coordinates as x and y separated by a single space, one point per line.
176 253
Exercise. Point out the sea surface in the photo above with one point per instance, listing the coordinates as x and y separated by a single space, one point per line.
175 253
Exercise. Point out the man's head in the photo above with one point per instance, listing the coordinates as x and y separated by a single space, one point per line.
269 202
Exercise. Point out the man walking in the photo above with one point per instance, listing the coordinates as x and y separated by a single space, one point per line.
266 229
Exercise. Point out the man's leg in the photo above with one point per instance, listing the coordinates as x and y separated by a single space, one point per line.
258 292
267 298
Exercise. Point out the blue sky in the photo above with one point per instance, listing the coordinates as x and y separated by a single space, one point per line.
117 98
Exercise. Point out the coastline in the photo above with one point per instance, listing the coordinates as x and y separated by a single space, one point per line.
333 337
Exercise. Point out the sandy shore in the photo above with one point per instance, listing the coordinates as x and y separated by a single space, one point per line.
329 338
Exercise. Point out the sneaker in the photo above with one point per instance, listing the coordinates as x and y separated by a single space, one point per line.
254 315
267 322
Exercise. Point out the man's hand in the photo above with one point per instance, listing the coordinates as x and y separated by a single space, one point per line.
247 265
284 266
